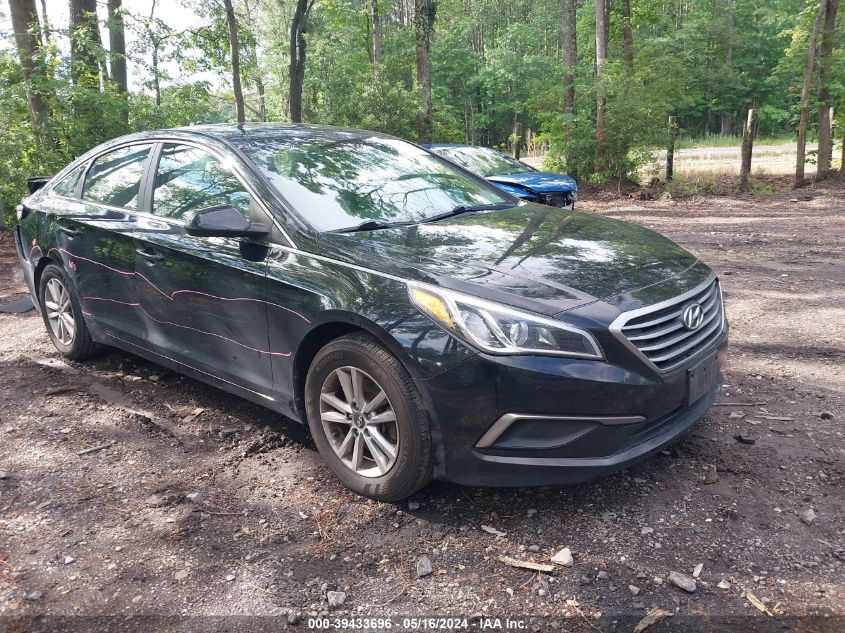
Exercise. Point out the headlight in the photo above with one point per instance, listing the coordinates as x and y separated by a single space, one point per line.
499 329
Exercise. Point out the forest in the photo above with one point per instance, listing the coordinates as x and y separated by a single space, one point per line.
590 84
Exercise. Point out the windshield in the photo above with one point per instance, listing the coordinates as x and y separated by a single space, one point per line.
341 183
483 161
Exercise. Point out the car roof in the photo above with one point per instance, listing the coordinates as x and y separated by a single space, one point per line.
252 132
249 133
452 145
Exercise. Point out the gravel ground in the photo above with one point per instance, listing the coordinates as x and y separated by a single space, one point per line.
198 503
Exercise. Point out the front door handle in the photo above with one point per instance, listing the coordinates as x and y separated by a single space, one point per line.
150 256
71 233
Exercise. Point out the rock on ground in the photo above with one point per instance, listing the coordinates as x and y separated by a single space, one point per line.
684 582
563 557
336 598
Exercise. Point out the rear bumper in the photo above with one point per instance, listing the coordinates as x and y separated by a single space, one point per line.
26 265
579 419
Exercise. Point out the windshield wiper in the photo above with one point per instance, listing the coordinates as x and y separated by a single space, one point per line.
371 225
375 225
468 208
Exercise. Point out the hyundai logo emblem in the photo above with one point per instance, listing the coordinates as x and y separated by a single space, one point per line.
692 316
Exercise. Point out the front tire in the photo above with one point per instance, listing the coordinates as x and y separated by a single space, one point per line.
62 315
367 419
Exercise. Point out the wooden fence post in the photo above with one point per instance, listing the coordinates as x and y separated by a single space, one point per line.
747 146
670 150
516 135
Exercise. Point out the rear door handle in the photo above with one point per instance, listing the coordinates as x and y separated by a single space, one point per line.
70 232
151 256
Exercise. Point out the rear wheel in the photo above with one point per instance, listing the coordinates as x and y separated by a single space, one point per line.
367 419
63 315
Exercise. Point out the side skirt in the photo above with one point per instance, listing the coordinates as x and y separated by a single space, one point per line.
197 374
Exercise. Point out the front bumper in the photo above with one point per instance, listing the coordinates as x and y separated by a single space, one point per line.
577 419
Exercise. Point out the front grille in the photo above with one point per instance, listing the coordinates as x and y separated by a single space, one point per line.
658 334
557 199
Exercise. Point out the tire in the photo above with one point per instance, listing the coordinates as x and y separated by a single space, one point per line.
367 365
76 344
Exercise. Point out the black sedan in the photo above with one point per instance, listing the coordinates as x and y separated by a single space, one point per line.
422 322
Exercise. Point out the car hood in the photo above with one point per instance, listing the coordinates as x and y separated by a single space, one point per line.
539 181
532 256
518 192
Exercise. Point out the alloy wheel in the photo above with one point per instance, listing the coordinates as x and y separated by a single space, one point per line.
60 312
359 421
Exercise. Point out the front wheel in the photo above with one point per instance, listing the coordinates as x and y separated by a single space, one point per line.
367 420
63 315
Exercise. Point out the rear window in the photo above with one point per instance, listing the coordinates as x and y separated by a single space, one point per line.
115 178
67 185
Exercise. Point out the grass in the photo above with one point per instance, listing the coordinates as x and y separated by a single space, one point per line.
717 140
720 184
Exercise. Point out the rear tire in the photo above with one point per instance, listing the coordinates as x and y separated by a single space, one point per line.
367 419
62 315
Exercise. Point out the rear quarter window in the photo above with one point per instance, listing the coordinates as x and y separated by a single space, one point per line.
67 185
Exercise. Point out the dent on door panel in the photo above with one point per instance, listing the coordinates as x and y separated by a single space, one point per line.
203 302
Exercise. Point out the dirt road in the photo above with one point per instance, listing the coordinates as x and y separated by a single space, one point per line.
197 503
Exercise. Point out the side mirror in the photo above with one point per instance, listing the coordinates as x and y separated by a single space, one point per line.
223 221
36 183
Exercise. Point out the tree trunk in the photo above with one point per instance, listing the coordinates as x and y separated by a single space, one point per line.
262 99
627 34
156 78
256 71
28 40
297 59
424 13
235 48
117 53
747 148
570 56
670 148
84 34
376 36
601 57
516 137
726 126
825 102
48 36
805 96
155 44
727 117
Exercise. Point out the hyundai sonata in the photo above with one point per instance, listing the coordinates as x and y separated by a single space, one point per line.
420 321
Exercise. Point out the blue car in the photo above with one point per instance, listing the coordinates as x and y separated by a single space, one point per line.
511 175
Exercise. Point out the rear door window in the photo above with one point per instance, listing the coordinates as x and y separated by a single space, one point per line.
115 178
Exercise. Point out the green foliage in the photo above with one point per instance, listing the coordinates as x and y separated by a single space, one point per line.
495 63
